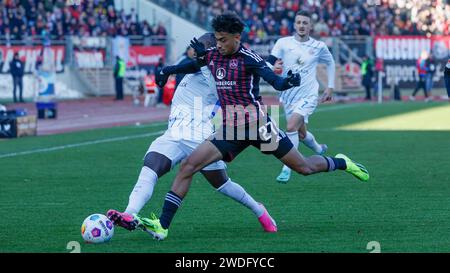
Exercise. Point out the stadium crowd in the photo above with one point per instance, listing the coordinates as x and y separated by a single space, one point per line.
332 17
264 18
56 19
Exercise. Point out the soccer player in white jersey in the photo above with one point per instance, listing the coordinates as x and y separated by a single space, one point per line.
301 54
189 125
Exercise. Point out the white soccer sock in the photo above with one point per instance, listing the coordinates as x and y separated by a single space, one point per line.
236 192
142 191
293 137
311 143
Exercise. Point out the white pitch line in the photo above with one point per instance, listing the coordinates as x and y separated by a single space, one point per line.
75 145
339 107
331 108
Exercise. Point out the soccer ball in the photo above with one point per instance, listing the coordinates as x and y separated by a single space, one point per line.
97 228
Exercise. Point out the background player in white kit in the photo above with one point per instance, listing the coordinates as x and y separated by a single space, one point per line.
189 125
301 54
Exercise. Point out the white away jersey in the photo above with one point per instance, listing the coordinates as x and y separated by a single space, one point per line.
302 58
192 104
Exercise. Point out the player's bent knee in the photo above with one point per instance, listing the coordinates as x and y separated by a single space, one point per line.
292 128
159 163
295 124
187 168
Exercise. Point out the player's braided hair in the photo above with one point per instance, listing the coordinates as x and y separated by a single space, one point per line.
228 22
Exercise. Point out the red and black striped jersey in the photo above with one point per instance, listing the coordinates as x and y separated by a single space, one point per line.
237 78
237 82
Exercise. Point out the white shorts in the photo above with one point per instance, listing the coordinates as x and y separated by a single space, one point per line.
177 149
304 107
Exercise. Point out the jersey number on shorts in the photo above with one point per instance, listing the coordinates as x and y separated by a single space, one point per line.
264 131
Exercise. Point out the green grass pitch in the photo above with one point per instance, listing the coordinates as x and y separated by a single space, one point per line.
45 196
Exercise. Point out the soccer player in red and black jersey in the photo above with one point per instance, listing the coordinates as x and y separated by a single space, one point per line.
237 72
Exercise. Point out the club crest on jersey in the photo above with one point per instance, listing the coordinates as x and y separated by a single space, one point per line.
233 64
300 61
220 73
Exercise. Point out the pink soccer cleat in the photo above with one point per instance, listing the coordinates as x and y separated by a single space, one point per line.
267 222
122 219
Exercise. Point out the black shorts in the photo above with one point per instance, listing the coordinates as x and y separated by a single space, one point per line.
267 138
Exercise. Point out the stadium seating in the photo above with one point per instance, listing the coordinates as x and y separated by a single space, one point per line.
331 17
55 19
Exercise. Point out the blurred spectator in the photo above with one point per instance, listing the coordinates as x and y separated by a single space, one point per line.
367 76
160 30
321 28
422 68
431 69
447 78
119 74
16 67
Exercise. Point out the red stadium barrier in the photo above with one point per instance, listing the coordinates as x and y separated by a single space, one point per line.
145 55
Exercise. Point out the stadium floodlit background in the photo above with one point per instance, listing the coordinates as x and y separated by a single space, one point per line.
86 158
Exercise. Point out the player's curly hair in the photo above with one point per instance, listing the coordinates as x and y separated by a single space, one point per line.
228 22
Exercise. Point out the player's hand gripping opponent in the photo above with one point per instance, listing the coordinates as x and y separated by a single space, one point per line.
292 79
161 78
198 47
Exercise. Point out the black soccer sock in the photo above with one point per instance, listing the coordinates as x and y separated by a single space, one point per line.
335 163
171 205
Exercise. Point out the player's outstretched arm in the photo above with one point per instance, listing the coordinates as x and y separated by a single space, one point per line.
187 68
279 83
